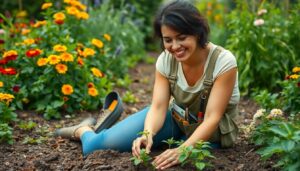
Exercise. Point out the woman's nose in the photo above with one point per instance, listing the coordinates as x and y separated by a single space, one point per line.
175 45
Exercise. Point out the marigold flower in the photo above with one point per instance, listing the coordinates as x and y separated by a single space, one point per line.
67 57
10 55
33 52
61 68
296 69
96 72
25 31
81 6
46 5
21 14
59 16
6 98
294 76
1 84
8 71
88 52
53 59
67 89
82 15
80 61
107 37
29 41
42 62
72 10
60 48
98 43
93 91
90 85
39 23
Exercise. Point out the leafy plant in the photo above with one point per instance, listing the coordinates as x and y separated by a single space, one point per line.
195 155
129 97
6 133
143 159
30 125
31 140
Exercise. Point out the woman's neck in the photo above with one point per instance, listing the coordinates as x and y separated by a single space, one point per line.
199 57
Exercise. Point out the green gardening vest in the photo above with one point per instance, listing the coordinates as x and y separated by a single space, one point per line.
227 130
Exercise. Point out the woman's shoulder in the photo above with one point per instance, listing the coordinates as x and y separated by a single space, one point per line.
163 62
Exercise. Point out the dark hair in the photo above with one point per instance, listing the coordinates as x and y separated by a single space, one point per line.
184 18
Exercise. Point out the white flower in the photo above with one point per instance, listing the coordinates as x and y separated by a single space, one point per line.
262 11
258 114
259 22
2 31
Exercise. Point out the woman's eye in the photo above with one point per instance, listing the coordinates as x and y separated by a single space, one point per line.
181 38
168 40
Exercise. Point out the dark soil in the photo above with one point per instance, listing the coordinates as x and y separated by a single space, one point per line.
63 154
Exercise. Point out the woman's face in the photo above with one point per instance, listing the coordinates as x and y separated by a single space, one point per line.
181 46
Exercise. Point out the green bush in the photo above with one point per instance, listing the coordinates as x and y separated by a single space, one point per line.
264 44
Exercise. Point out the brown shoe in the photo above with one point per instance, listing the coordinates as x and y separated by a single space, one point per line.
69 132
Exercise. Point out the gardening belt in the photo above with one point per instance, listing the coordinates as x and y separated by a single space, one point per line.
188 109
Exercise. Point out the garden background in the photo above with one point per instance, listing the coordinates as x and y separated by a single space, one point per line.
59 58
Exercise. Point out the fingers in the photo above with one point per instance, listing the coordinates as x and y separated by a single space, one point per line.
137 143
136 147
166 159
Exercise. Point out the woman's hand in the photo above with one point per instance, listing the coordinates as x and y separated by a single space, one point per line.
145 141
167 159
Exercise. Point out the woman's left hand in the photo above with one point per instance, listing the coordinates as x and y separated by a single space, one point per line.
167 159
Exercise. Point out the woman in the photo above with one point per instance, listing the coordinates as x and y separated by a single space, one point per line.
200 77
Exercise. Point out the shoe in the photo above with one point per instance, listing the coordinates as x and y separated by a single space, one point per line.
69 132
110 113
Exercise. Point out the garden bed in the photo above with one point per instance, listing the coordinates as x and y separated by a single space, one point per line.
63 154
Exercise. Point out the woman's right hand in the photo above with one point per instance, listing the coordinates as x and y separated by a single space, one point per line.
143 141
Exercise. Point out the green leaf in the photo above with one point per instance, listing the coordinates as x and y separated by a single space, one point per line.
200 165
288 146
279 131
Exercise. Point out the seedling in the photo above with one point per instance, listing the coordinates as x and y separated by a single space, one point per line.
27 125
195 155
143 159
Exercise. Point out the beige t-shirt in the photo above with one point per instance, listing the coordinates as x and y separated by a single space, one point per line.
225 62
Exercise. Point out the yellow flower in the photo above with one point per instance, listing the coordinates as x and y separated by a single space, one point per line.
1 84
59 16
82 15
53 59
25 31
93 92
294 76
88 52
10 53
29 41
67 57
42 62
107 37
46 5
60 48
80 61
39 23
21 14
6 98
81 6
72 10
98 43
96 72
61 68
67 89
296 69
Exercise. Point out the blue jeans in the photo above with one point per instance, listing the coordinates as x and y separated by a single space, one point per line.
121 135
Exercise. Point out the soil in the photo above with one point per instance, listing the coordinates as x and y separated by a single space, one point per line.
44 152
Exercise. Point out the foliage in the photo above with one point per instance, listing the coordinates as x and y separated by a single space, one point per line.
47 69
260 41
278 137
5 133
129 97
27 125
144 158
288 97
195 155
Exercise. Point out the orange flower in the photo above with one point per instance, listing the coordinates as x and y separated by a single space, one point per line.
25 31
107 37
10 55
72 10
82 15
1 84
53 59
59 18
80 61
67 89
28 41
46 5
39 23
33 52
87 52
98 43
93 92
61 68
60 48
90 85
67 57
96 72
42 62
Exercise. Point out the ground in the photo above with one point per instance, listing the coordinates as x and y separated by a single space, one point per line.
62 154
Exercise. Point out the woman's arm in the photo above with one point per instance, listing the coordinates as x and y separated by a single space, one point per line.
218 100
157 113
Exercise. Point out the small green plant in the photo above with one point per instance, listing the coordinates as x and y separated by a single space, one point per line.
143 159
196 155
124 82
170 142
27 125
31 140
129 97
5 133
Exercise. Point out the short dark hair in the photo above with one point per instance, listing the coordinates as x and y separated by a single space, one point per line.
184 18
